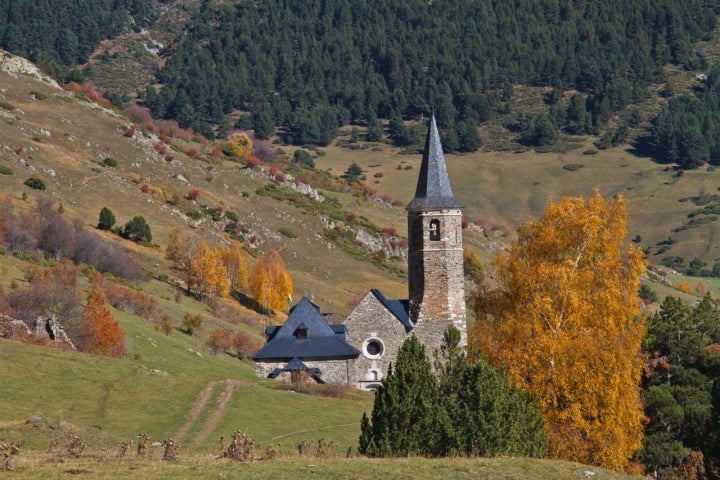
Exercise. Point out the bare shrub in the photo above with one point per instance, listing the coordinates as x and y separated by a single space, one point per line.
302 448
165 324
219 341
129 301
244 345
172 450
143 441
7 451
76 446
271 452
263 150
56 234
42 297
241 448
93 250
192 324
138 114
323 448
123 448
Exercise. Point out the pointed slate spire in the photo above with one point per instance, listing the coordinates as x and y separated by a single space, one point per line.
433 190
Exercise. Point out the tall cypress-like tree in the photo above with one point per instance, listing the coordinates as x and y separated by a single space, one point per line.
405 413
486 415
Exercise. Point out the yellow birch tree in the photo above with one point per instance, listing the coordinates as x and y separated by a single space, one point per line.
235 260
271 285
207 273
564 322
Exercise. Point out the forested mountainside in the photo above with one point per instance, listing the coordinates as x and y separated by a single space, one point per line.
66 32
308 65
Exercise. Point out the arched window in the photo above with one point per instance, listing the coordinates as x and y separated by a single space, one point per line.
435 229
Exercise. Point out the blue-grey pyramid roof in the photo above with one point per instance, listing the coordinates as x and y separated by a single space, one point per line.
399 308
319 340
433 190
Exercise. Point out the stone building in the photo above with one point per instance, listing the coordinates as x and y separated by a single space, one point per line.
377 326
306 347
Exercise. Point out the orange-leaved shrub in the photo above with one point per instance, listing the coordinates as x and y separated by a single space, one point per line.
98 331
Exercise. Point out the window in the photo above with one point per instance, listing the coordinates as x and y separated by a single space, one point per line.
373 348
435 229
301 333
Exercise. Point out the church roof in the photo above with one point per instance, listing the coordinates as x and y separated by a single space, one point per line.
433 189
305 334
399 308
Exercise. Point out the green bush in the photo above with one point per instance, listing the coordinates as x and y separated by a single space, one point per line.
106 220
35 183
5 170
137 230
6 106
287 233
110 162
573 166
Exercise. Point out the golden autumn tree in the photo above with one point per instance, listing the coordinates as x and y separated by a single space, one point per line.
181 249
235 260
564 322
270 284
98 332
207 274
238 145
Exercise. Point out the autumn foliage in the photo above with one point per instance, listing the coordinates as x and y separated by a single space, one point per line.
271 285
208 272
239 146
567 295
99 333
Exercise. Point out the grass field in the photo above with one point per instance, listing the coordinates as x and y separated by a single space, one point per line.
104 466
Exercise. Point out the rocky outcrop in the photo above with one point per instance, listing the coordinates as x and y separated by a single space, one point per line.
43 327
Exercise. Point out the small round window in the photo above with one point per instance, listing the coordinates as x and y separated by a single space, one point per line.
373 348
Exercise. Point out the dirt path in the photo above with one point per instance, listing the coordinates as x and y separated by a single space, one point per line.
309 431
215 416
197 409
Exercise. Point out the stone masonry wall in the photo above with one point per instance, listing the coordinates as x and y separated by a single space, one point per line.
371 320
331 371
435 276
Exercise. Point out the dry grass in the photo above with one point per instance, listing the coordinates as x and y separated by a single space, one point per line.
105 465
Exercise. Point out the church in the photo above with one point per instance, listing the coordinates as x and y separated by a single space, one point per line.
359 351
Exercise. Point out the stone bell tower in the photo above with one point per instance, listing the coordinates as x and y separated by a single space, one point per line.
435 251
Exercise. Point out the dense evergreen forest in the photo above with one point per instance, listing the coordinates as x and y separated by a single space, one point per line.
310 66
62 34
687 130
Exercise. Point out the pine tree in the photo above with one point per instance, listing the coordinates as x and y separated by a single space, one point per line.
137 230
405 413
486 415
106 220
